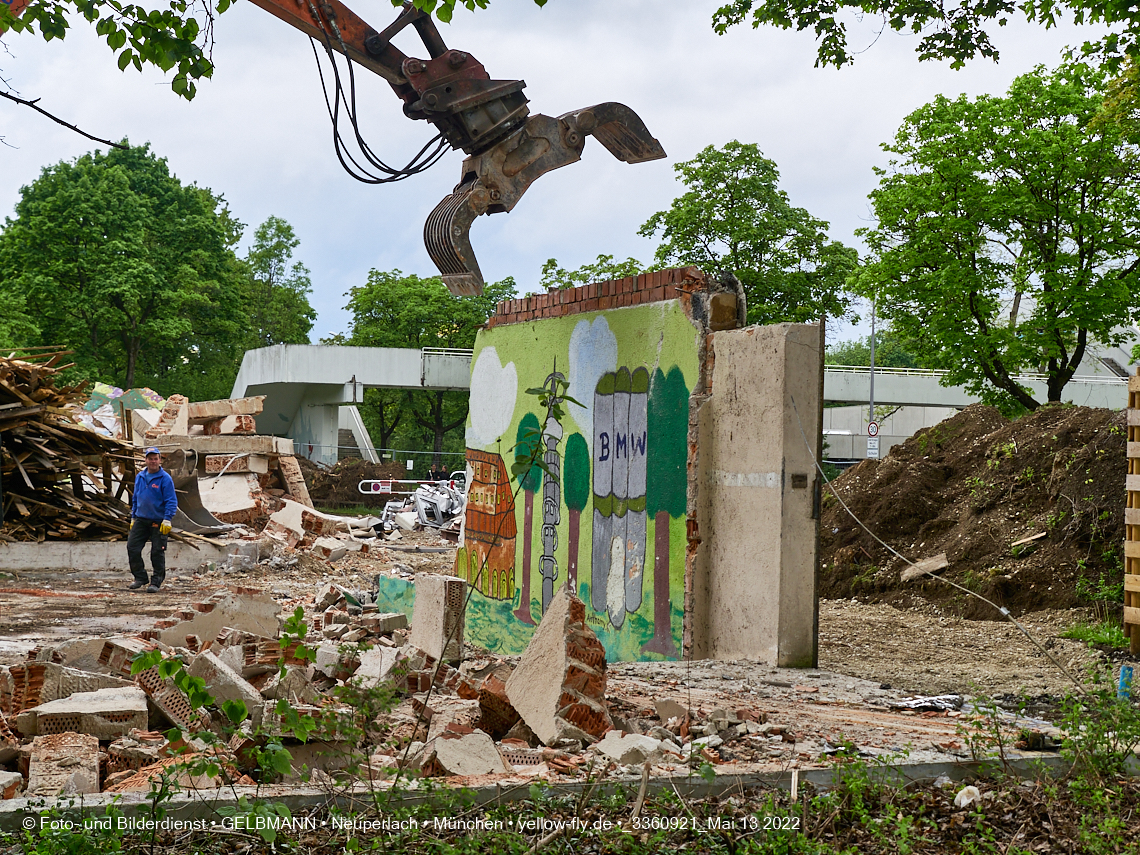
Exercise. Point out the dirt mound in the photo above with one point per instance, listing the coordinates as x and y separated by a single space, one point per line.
971 487
336 486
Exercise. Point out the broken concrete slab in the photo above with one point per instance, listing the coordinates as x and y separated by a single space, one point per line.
63 764
295 522
244 609
204 445
633 749
235 498
137 749
294 686
438 615
105 714
203 411
468 754
376 665
444 713
561 679
224 683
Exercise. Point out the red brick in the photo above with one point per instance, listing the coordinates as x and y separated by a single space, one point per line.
657 293
605 303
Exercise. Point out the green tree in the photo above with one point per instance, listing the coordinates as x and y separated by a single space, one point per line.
528 445
734 219
1006 235
128 267
601 270
278 293
404 310
176 37
955 31
666 489
577 477
17 329
890 352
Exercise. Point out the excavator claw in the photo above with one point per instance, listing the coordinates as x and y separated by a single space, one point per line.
494 180
488 119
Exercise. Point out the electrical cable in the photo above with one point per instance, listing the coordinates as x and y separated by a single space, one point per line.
1002 609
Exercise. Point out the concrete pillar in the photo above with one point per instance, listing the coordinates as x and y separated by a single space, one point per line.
753 571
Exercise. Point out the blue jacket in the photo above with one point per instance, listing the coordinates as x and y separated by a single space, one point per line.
154 497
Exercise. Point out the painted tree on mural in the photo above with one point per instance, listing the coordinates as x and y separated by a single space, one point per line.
527 441
665 490
577 492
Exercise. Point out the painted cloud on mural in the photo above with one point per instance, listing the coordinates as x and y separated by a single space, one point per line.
494 387
593 352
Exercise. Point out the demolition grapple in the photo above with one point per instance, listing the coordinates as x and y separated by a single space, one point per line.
507 147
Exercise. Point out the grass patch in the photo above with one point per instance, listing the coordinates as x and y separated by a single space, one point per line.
1105 632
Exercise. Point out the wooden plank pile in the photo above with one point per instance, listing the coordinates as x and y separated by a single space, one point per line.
58 479
1132 521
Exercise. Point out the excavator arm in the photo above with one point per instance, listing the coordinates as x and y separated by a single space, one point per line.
507 147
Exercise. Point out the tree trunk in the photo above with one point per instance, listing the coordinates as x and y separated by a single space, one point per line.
572 550
132 358
662 641
523 611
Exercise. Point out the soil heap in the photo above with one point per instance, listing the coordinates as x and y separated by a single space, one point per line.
972 487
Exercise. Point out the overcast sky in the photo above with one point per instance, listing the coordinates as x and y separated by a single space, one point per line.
258 132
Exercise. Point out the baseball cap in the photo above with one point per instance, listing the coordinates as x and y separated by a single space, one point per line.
152 450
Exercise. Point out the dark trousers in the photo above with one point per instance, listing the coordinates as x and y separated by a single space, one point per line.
141 532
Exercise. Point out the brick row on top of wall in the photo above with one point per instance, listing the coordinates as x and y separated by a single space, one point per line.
614 294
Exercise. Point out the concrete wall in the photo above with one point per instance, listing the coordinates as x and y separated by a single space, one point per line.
615 508
753 568
96 555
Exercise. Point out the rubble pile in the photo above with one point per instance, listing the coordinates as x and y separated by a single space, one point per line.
59 479
74 720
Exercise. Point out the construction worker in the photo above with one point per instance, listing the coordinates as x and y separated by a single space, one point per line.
153 506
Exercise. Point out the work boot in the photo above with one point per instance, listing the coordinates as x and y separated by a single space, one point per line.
153 589
134 586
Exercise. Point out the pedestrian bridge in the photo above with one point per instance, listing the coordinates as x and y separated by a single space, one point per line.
310 390
923 388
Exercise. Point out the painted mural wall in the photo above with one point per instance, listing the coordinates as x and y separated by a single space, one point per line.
606 511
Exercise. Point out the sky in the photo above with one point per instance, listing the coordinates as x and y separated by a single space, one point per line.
259 135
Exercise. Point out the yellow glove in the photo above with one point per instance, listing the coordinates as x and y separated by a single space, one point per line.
165 527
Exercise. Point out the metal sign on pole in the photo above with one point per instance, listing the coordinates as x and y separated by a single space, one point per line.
872 448
873 429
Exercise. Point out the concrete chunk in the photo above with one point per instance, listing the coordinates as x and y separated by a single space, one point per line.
437 616
376 665
253 612
470 754
203 411
561 679
63 764
631 749
329 548
105 714
224 683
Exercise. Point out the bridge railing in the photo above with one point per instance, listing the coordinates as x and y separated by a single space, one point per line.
930 372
